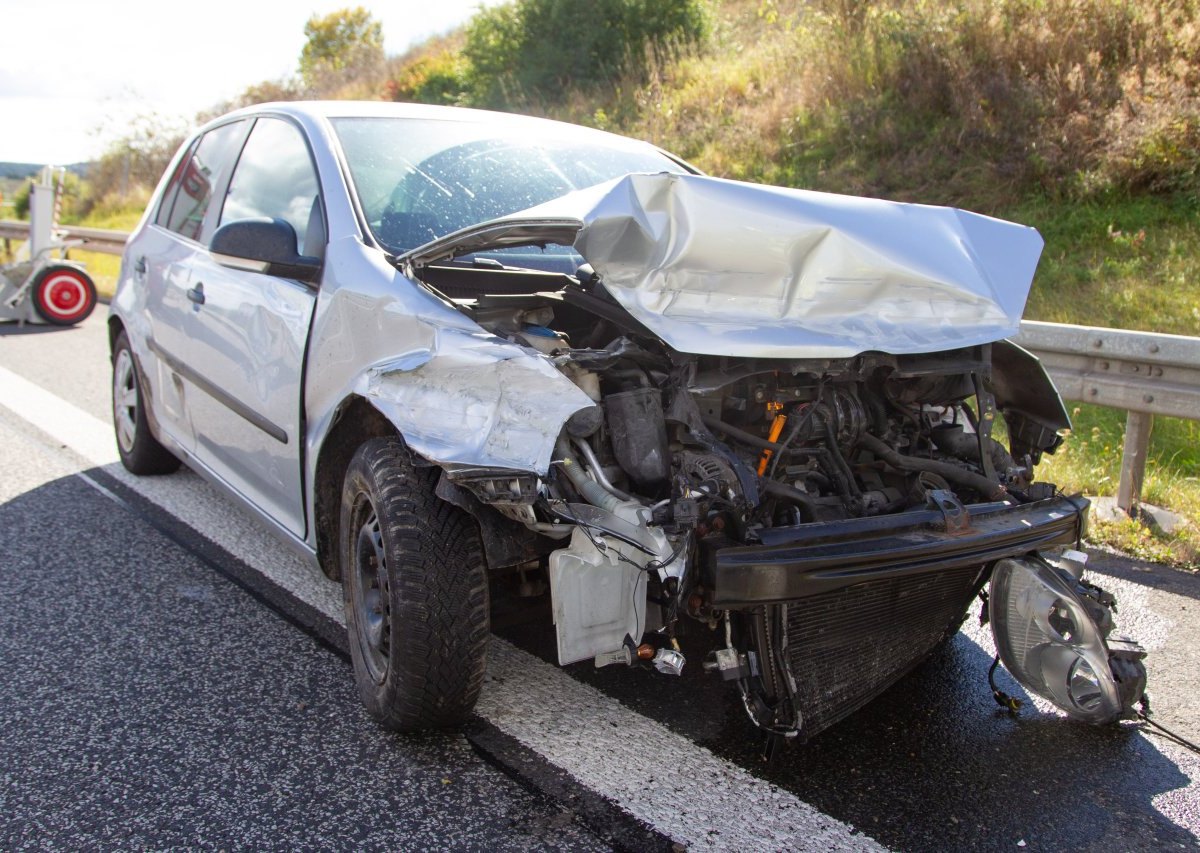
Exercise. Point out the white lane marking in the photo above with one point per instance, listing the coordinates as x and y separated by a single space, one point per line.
654 774
185 495
663 778
83 433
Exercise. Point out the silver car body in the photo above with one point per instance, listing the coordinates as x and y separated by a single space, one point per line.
247 375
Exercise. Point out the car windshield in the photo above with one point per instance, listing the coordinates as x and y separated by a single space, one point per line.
420 179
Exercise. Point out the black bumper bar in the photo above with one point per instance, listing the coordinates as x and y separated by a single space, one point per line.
797 562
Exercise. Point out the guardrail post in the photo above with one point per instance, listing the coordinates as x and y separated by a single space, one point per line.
1133 459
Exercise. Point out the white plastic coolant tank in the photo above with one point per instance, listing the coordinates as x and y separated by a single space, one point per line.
598 599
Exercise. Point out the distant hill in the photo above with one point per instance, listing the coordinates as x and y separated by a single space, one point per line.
19 171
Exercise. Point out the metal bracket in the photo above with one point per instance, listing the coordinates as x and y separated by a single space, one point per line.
987 419
954 514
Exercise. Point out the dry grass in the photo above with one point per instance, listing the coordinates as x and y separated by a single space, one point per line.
977 103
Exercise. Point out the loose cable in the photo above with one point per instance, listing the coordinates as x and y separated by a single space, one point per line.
1143 714
1009 703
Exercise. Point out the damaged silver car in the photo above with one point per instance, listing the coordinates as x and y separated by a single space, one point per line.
430 347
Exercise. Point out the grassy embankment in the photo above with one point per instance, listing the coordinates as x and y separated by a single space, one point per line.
1080 117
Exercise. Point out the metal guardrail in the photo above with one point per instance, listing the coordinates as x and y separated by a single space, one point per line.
94 239
1144 373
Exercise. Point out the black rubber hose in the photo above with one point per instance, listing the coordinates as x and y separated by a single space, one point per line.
966 446
769 487
981 484
831 467
741 435
787 493
839 460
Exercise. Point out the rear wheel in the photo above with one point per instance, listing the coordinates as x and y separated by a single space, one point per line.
63 295
140 451
416 592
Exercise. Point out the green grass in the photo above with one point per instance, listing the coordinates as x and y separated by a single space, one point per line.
1120 262
103 268
1133 263
122 219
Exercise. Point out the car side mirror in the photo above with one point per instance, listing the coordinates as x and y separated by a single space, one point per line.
263 245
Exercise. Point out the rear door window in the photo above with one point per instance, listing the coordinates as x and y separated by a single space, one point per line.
187 199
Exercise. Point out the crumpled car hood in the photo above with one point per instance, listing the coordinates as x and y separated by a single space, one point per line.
727 268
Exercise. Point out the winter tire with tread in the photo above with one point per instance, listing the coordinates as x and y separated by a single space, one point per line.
416 592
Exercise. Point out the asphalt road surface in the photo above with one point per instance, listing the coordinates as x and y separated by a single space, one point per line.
170 677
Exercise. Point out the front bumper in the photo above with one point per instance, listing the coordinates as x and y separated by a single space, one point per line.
808 559
859 603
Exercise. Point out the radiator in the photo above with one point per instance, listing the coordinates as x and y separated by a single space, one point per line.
847 646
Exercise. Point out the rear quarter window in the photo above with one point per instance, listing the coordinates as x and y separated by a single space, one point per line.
190 192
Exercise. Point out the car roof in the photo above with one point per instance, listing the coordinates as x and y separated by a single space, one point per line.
318 111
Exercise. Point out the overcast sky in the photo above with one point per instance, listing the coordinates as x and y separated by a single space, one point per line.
73 72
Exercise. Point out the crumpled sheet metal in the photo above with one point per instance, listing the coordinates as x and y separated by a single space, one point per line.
475 399
723 267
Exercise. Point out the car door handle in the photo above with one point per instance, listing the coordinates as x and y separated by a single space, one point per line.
140 266
196 294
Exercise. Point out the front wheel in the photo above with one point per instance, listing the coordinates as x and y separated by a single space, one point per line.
416 592
63 295
140 451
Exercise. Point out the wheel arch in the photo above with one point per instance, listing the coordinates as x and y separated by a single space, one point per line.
115 327
354 422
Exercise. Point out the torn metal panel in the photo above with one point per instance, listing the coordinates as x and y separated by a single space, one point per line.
476 399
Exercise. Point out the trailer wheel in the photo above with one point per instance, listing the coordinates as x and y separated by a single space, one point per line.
416 592
63 295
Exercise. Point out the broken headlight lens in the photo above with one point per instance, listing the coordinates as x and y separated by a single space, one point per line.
1050 643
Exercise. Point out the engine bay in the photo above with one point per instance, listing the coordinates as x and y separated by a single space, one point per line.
751 444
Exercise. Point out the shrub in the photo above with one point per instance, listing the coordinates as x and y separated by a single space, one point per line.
130 167
440 77
536 50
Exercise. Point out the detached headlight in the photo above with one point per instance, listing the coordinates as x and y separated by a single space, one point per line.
1051 631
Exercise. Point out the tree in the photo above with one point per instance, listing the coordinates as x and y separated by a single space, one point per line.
342 45
131 165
